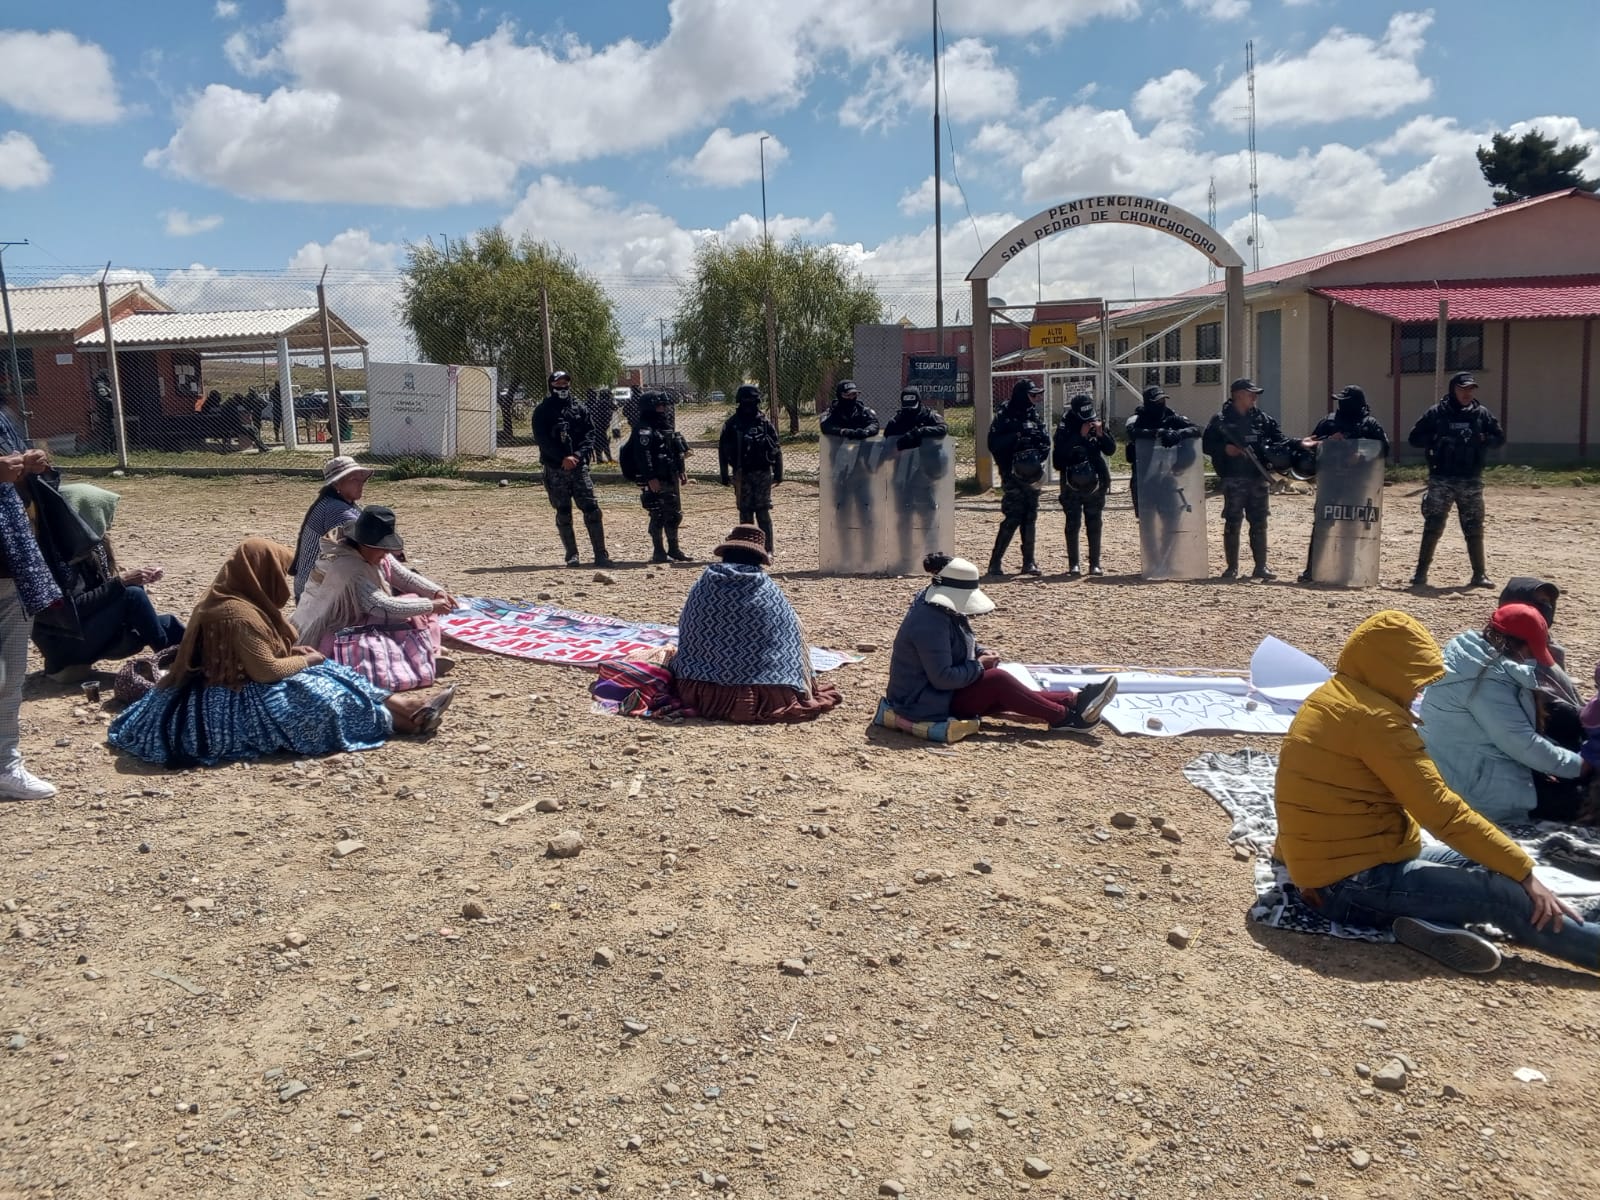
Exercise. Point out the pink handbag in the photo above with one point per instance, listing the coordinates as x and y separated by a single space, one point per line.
398 658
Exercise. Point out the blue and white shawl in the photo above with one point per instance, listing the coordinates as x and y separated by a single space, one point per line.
329 511
738 629
37 586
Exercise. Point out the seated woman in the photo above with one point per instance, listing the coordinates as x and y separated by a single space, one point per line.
114 612
937 670
241 688
742 655
1541 595
338 503
358 582
1355 784
1479 721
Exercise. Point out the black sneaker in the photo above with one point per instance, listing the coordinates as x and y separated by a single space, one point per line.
1305 577
1091 702
1459 949
1480 580
1264 573
660 556
994 572
574 561
1420 579
1229 573
1074 571
1031 569
605 560
678 556
1096 569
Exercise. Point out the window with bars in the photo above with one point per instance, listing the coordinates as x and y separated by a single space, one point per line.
1152 354
30 382
1172 351
1419 347
1208 344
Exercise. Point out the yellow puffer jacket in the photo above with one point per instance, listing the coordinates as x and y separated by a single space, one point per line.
1354 781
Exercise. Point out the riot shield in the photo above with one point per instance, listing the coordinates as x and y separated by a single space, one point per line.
1347 526
922 500
1172 511
853 504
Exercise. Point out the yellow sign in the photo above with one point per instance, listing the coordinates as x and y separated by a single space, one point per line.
1062 333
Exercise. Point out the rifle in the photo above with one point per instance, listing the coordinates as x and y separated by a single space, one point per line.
1274 480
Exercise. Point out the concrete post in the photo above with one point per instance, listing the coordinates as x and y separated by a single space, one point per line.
1233 324
291 432
982 382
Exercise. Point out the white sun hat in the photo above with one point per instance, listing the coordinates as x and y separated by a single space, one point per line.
956 587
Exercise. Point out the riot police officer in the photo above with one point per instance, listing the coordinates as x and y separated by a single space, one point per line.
1153 422
562 428
913 427
1020 444
750 457
1457 434
1240 440
1081 446
1350 421
851 421
661 452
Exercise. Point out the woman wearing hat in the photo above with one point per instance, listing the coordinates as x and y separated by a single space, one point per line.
1479 722
742 655
338 503
937 670
359 582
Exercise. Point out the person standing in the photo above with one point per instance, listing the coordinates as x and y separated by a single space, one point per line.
914 422
1239 439
750 452
27 588
1020 444
853 424
1350 421
1456 434
1081 446
565 435
661 454
1153 422
602 407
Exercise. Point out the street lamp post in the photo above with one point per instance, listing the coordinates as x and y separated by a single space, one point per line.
762 147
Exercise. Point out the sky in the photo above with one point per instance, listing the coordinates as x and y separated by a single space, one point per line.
200 142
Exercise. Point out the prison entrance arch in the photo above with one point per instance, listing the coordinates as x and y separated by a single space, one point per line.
1087 212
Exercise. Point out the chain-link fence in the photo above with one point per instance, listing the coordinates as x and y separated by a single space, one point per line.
255 370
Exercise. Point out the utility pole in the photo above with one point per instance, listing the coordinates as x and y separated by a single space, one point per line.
1255 190
327 367
11 339
938 200
766 258
762 147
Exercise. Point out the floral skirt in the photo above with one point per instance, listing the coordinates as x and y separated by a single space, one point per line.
322 710
756 704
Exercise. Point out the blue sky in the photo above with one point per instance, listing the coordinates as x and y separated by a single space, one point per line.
267 134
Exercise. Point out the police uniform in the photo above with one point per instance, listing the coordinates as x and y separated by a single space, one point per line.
1080 461
911 428
562 429
1020 444
662 454
1457 439
750 457
852 421
1351 421
1153 423
1245 486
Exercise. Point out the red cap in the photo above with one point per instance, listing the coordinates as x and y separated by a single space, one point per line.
1526 624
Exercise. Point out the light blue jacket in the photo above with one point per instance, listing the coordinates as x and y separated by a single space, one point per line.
1478 724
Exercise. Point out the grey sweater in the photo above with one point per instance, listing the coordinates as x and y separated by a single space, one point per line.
935 654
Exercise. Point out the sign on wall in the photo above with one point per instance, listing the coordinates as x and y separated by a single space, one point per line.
1057 333
934 375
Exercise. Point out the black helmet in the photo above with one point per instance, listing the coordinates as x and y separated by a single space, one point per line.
1183 455
910 397
843 388
1155 395
748 393
1304 462
559 380
1278 458
1081 477
1028 467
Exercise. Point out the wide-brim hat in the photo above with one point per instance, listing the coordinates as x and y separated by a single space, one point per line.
748 539
956 587
375 527
342 467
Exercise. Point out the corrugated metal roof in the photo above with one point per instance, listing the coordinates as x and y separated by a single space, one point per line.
1531 298
253 328
65 309
1269 277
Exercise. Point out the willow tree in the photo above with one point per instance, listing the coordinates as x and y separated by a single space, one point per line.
477 301
818 299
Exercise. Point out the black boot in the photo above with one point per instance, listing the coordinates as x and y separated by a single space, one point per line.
1432 531
1230 551
595 524
674 551
1002 542
1258 552
1072 544
1480 569
764 523
569 540
660 555
1092 527
1029 566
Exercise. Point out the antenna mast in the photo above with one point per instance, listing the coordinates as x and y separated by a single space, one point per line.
1211 218
1255 190
938 206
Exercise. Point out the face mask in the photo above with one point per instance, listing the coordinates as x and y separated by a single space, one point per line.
909 402
563 392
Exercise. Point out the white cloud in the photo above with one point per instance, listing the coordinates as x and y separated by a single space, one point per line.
55 75
1170 97
377 106
976 87
1345 75
919 200
181 224
22 165
352 250
1219 10
239 48
226 10
729 159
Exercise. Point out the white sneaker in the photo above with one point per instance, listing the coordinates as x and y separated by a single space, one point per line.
19 783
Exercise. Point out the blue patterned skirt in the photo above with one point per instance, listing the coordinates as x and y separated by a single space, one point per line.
322 710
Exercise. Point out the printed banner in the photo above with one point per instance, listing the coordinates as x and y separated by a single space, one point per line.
559 635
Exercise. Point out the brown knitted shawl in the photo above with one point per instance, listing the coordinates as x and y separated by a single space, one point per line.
240 618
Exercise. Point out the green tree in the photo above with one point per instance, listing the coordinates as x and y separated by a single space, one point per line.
818 299
1532 165
477 301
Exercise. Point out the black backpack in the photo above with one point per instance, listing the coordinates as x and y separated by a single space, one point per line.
755 447
630 459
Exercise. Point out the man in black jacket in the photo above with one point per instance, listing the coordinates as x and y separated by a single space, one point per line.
912 427
662 452
914 423
1457 434
1020 444
852 421
749 450
1081 446
1350 421
848 417
565 435
1239 440
1153 422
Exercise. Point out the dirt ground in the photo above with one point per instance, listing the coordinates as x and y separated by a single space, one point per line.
203 1001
